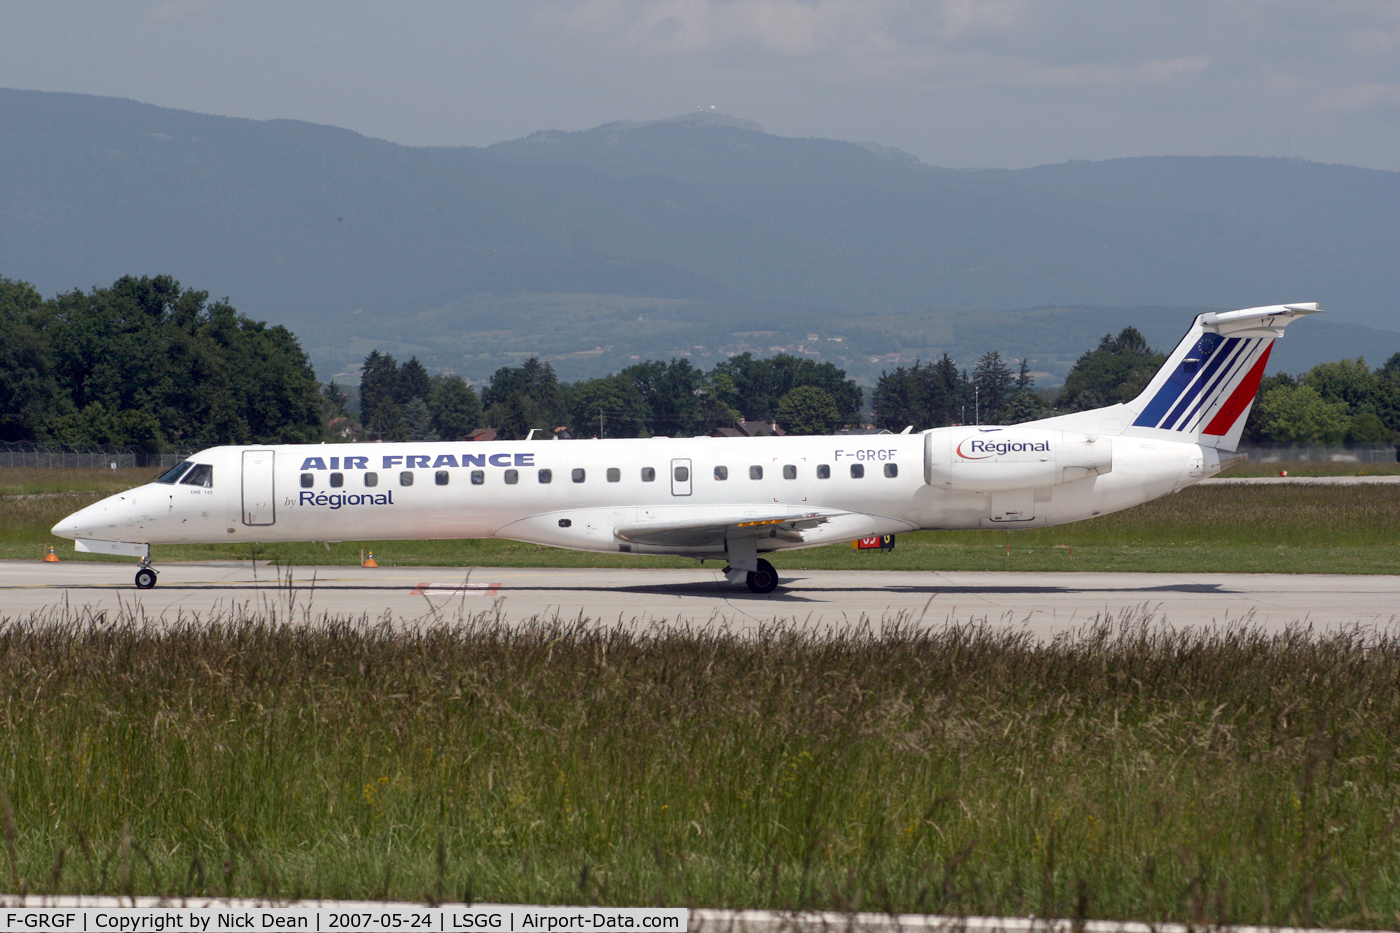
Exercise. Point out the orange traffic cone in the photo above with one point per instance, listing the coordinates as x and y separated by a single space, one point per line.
51 557
369 562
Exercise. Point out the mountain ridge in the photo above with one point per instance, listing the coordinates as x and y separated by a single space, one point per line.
713 224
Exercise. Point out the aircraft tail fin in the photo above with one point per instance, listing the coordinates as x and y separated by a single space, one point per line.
1207 386
1204 391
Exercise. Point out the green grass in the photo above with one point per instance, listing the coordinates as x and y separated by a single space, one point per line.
1135 772
1311 468
1256 529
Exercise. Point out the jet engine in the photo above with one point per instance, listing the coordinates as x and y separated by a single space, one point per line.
987 459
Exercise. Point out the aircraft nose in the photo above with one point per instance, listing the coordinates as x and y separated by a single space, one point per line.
102 520
77 525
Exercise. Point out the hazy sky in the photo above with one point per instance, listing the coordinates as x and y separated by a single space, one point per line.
1005 83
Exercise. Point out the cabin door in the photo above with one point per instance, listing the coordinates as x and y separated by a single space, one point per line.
259 506
680 477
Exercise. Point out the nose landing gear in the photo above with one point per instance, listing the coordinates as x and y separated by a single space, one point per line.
146 576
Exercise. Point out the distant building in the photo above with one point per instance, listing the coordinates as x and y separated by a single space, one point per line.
751 429
482 434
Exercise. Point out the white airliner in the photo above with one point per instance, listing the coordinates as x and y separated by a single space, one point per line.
717 498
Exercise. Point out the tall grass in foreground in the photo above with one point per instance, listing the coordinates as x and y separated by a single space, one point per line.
1132 771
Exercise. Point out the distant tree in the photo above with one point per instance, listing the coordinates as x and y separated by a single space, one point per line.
205 373
992 381
946 391
1117 371
333 400
1298 414
29 393
455 407
379 384
808 410
1367 428
607 407
515 417
418 421
530 392
760 384
1023 404
1350 382
898 399
95 424
413 382
388 422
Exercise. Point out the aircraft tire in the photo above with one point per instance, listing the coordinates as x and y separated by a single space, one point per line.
145 578
764 579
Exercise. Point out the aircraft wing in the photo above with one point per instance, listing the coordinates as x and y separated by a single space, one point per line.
712 531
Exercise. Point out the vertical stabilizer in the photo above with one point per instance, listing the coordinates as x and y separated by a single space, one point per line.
1207 386
1204 391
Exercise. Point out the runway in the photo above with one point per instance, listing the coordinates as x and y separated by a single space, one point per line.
1044 603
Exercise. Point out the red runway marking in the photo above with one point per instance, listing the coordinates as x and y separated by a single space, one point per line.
469 589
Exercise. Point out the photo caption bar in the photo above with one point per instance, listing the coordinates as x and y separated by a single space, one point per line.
330 920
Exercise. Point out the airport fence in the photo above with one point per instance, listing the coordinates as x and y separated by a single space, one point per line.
1322 453
21 454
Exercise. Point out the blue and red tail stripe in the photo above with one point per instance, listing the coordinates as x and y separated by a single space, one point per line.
1193 392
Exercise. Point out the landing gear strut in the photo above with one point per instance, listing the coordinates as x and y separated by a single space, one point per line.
146 576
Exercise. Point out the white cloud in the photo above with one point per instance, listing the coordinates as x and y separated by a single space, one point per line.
957 42
1357 97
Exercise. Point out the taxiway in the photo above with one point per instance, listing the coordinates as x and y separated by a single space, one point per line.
1045 603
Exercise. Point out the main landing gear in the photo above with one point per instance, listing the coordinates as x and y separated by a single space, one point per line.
146 576
763 580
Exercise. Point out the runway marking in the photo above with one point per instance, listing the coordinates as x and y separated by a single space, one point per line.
469 589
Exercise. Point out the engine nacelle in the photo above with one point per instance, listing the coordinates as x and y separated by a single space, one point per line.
987 459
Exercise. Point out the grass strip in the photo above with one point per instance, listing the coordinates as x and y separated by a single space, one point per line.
1131 771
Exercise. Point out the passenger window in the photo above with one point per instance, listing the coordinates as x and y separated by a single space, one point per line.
479 477
892 470
512 477
789 471
614 475
648 475
823 471
578 474
371 480
755 472
546 476
337 480
440 477
857 470
201 475
406 478
308 480
682 474
172 474
721 472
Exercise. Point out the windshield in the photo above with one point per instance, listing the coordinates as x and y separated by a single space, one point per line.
174 473
201 475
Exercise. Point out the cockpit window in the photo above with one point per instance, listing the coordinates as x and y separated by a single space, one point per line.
171 475
201 475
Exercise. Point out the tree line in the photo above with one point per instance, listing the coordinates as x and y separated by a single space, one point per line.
1332 403
676 398
148 364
